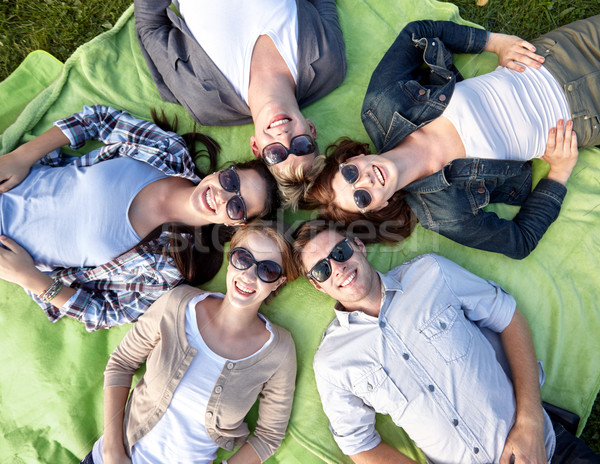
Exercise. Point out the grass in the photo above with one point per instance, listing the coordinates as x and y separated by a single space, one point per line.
59 27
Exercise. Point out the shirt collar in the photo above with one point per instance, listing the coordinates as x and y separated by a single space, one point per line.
388 284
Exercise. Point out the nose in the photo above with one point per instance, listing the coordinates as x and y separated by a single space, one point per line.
365 179
336 267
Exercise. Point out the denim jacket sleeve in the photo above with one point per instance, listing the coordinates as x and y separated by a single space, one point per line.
402 94
515 238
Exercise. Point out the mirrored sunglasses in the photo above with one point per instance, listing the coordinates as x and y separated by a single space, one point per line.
300 145
268 271
362 198
236 207
341 252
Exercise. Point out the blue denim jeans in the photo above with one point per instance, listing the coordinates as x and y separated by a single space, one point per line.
88 459
571 450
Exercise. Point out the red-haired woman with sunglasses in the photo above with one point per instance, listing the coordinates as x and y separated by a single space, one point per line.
77 218
449 147
208 358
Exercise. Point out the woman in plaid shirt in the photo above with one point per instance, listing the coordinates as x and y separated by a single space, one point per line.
76 221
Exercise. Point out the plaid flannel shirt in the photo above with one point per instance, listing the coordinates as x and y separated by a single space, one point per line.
121 290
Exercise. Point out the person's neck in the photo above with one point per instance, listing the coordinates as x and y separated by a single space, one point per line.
270 78
171 199
370 304
426 151
231 320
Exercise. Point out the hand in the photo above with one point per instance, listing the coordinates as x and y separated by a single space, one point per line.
526 443
13 169
513 52
561 151
16 265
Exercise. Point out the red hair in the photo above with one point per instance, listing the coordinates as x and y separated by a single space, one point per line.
393 223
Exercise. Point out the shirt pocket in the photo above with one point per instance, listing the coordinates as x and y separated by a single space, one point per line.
379 392
449 334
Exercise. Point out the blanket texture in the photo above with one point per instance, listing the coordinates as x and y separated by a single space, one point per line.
51 388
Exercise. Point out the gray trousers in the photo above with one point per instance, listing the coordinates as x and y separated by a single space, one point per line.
572 55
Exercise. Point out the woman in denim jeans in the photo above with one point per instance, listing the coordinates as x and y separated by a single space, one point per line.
450 146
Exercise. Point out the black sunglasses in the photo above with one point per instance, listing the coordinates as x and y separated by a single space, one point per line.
268 271
276 152
230 181
362 198
341 252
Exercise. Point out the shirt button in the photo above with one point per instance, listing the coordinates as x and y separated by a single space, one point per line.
431 388
476 450
405 356
369 387
422 92
480 190
443 325
382 324
218 389
455 422
570 88
209 414
442 98
433 44
229 365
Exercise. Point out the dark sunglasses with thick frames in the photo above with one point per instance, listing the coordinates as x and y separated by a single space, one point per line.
236 207
362 198
341 253
300 145
268 271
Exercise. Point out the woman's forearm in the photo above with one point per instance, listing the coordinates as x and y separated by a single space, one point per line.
115 399
36 149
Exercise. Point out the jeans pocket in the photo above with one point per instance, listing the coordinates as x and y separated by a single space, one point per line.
449 334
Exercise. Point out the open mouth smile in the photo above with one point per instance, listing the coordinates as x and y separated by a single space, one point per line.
243 289
379 175
209 200
349 280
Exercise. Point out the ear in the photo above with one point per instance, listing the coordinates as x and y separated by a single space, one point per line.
316 285
254 147
312 128
361 246
282 280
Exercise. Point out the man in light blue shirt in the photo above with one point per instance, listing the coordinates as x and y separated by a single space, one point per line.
424 349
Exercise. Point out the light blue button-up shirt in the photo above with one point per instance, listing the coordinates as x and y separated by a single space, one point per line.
428 361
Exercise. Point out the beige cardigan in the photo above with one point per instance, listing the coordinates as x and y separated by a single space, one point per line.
159 338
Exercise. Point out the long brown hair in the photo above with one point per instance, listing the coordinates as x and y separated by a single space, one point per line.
197 252
393 223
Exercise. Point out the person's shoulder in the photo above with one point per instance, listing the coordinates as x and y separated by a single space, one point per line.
422 263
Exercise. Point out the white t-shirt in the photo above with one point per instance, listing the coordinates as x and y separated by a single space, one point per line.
227 30
180 436
75 216
507 114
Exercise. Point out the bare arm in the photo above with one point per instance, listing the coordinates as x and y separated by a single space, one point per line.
382 454
15 166
115 399
526 439
512 50
16 266
245 455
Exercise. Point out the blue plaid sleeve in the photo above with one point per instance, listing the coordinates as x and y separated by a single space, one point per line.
125 135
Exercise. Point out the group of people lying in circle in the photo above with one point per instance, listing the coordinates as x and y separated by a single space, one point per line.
446 147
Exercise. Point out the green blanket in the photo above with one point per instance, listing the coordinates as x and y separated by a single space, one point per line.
51 387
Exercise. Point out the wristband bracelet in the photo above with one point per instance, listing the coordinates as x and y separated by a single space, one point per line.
48 295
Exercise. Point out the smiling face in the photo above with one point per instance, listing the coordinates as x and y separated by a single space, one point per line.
376 175
209 199
350 281
275 124
244 288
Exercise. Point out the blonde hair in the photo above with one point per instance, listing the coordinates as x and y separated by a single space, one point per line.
276 231
294 182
